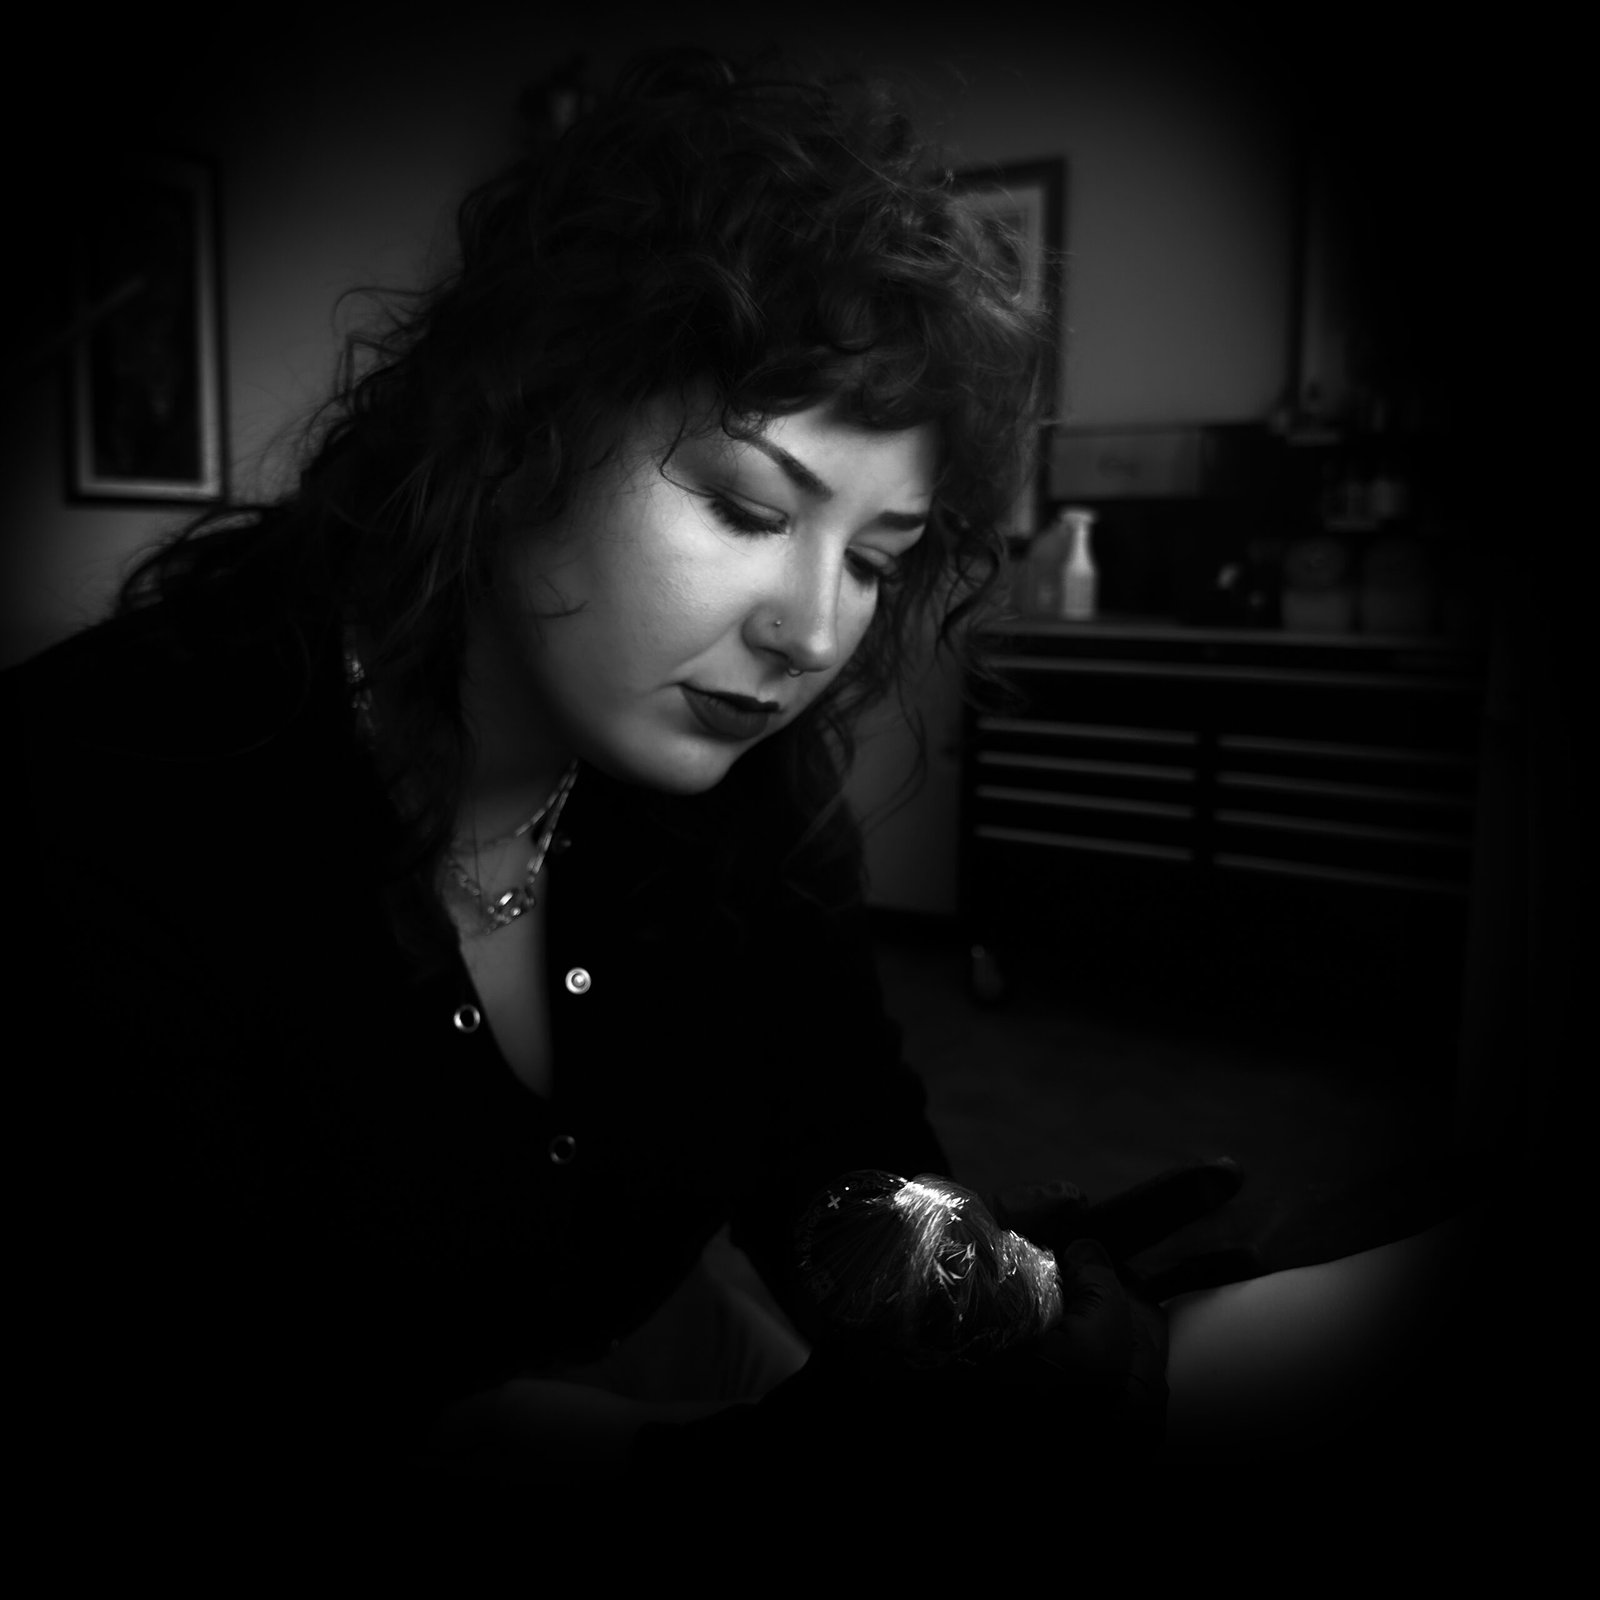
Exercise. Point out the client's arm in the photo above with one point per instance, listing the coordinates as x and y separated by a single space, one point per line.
1348 1352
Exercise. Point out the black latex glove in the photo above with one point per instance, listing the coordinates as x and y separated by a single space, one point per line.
1092 1388
1110 1339
1055 1214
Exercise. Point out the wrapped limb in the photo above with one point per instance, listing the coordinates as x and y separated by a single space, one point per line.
916 1277
939 1335
918 1270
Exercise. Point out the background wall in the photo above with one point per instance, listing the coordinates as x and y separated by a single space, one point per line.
342 141
341 145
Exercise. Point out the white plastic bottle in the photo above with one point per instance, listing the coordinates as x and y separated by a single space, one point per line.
1047 557
1079 580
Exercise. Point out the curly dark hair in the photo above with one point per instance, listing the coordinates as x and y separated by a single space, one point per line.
777 241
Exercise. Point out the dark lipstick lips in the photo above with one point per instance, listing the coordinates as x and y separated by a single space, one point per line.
743 701
730 716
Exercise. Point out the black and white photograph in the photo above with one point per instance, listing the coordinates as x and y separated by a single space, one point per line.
146 412
783 771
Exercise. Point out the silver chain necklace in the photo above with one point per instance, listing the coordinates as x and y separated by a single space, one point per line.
502 910
516 833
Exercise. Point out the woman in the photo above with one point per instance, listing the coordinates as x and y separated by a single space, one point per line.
443 918
480 933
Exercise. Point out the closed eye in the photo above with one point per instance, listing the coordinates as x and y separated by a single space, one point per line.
872 570
739 518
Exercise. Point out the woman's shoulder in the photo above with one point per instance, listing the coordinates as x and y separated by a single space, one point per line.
177 751
149 683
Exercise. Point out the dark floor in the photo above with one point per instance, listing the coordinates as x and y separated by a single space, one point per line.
1342 1136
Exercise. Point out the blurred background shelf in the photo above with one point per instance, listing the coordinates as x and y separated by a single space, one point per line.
1229 819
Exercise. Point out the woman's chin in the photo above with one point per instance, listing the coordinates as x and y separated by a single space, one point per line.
685 767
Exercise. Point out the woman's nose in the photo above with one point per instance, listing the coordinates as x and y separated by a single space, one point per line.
800 620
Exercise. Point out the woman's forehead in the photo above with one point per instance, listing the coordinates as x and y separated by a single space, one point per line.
819 438
701 410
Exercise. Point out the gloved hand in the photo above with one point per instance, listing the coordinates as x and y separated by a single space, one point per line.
1054 1214
1110 1340
1093 1387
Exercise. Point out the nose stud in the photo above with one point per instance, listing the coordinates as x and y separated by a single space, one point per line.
777 622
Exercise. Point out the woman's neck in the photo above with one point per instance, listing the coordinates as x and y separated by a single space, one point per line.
518 757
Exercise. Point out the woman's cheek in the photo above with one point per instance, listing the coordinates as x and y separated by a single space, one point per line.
862 612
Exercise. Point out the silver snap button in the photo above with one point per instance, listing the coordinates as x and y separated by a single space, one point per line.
467 1019
578 981
563 1149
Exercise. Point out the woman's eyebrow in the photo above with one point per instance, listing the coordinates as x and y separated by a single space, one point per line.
796 471
902 521
803 478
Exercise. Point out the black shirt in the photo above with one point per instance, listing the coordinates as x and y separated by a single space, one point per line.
279 1206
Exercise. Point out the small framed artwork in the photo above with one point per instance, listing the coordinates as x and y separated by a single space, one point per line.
145 417
1022 205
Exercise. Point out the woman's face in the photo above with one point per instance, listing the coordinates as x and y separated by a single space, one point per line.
694 592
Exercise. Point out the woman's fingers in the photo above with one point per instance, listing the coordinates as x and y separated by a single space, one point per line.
1095 1334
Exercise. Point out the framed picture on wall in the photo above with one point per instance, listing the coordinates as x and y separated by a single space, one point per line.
145 417
1022 204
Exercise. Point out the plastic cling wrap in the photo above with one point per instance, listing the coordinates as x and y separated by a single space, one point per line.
918 1269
